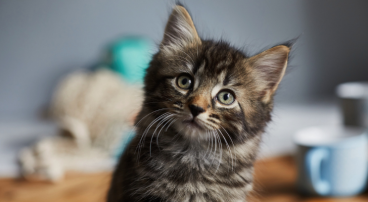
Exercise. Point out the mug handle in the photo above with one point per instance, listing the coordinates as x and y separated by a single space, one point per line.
314 161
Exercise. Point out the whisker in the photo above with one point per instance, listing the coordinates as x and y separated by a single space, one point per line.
208 143
229 146
176 135
163 128
140 144
215 142
220 145
162 121
140 141
153 122
148 115
210 135
170 124
158 126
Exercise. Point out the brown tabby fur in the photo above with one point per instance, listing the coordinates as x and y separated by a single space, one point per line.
178 156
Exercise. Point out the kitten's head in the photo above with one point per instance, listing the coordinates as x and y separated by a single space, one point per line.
208 87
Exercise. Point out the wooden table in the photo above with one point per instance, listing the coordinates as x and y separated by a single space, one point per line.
274 182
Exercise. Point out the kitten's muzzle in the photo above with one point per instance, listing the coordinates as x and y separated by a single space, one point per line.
193 124
195 110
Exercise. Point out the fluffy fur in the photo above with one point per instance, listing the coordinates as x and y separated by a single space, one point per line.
189 145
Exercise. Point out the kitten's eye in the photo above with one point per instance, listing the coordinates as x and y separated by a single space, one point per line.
226 97
184 81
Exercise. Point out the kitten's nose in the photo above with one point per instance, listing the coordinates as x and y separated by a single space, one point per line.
196 110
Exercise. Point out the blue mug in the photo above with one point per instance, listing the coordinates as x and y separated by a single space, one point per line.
332 161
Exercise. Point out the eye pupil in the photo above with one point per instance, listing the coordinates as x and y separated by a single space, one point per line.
184 81
226 96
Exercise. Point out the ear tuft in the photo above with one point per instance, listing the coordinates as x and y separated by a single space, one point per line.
180 29
268 68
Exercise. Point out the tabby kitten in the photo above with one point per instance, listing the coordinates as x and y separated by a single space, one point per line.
206 106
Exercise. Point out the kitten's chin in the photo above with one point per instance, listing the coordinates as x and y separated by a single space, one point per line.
194 125
191 129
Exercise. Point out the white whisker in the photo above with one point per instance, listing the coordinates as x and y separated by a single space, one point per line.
147 115
170 125
159 132
215 142
232 158
140 144
209 153
220 145
158 126
208 142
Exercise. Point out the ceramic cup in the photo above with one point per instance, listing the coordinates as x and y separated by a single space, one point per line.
332 160
354 103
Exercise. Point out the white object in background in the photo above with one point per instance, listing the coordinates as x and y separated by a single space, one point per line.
17 134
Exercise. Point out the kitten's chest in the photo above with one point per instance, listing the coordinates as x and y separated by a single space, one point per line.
173 170
193 170
194 177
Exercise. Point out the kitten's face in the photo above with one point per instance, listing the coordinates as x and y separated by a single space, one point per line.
209 88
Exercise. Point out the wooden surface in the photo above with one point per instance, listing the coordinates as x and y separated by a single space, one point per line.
274 182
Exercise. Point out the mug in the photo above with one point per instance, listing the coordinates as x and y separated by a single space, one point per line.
332 160
354 103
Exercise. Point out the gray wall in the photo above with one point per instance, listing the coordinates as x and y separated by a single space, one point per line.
42 40
338 43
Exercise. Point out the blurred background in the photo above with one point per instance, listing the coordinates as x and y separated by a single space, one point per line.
42 41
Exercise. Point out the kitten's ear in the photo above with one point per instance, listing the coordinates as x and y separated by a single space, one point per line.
268 68
180 30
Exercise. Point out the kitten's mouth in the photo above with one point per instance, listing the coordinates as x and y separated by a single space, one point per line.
193 123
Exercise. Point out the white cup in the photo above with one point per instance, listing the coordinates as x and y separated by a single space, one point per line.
332 160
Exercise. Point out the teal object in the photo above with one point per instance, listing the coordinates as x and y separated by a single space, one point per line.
126 139
130 58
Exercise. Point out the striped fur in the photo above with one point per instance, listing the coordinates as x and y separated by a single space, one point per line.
179 157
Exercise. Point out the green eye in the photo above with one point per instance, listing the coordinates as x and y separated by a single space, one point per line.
226 97
184 82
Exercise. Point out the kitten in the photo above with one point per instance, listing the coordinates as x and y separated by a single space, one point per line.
206 106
